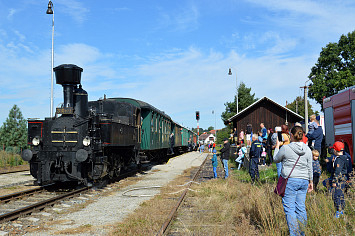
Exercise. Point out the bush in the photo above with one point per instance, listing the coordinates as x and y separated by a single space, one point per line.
10 159
13 150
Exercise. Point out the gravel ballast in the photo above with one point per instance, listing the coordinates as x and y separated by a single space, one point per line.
108 210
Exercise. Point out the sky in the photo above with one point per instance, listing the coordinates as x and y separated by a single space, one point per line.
174 55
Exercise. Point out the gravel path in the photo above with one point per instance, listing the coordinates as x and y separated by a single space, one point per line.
7 180
108 210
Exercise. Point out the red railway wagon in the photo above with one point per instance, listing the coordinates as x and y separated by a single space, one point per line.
339 117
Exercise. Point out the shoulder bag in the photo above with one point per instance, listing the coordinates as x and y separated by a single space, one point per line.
282 182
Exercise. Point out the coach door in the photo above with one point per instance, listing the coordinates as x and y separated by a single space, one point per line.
139 122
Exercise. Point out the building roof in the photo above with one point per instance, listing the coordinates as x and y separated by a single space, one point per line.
204 136
259 101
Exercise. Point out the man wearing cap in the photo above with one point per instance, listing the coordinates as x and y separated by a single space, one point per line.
225 156
255 153
340 169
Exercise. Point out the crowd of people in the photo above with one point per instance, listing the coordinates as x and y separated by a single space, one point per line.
296 155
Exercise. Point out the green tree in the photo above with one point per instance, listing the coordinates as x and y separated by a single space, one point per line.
13 132
210 128
334 70
222 134
245 99
299 102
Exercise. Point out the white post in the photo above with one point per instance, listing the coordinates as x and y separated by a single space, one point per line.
236 81
52 62
305 109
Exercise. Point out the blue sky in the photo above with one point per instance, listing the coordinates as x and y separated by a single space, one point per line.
174 55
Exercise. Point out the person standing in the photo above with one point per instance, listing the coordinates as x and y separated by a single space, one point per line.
316 169
339 177
225 156
241 136
235 135
274 138
172 143
263 133
214 163
269 145
317 136
296 155
255 153
285 135
248 133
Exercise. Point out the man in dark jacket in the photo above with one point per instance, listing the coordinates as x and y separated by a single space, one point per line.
254 154
317 136
225 156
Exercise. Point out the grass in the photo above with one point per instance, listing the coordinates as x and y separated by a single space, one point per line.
235 207
236 204
151 215
10 159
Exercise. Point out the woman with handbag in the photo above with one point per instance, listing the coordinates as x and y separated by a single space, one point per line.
297 175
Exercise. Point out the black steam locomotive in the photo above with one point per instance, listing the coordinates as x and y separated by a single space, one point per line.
88 142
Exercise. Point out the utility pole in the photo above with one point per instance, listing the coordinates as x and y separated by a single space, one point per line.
305 107
236 87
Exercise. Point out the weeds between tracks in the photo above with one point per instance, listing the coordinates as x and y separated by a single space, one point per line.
235 207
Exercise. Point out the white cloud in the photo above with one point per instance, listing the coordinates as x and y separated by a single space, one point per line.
183 19
196 80
76 9
11 13
318 20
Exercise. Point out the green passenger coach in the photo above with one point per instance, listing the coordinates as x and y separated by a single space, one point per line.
155 129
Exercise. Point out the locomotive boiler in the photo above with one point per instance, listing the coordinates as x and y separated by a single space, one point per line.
85 142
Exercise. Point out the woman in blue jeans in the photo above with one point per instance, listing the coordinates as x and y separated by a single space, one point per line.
299 182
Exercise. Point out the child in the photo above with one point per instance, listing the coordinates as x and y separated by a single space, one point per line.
241 153
316 169
339 178
313 124
263 156
311 127
214 163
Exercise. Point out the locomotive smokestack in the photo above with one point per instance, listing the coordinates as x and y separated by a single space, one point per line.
68 76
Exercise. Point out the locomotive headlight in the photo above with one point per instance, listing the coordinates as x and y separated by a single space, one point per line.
86 141
35 141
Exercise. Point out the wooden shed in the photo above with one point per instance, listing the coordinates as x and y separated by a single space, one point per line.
267 111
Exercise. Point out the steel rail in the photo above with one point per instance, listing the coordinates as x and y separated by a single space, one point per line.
8 197
14 171
38 206
176 207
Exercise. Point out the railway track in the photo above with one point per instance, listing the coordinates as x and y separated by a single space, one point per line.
172 213
29 201
15 205
14 171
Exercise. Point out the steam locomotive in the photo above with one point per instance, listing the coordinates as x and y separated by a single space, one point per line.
89 142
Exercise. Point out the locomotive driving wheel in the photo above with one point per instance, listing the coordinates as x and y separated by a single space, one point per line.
116 165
